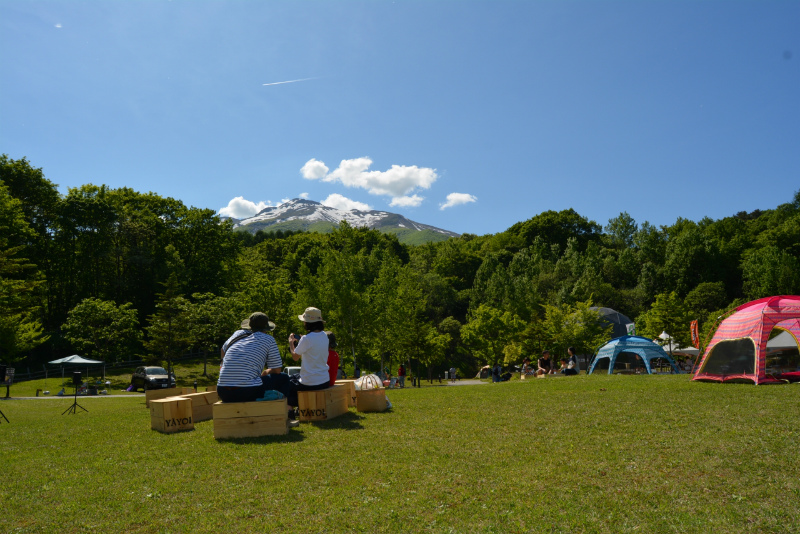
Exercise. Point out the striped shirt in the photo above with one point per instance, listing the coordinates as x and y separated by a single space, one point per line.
245 359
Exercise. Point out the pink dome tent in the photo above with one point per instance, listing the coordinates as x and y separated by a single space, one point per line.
737 352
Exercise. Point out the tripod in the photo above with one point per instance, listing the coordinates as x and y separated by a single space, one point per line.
74 408
4 417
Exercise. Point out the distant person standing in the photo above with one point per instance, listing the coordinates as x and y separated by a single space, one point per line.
452 374
357 372
401 375
496 370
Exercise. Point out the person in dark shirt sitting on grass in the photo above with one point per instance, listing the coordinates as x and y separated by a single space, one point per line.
545 364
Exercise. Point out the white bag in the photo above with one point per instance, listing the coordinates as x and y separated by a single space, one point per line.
368 382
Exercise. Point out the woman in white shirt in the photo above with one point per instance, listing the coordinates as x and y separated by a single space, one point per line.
313 349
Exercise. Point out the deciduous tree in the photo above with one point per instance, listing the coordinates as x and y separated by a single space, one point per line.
488 332
20 327
103 330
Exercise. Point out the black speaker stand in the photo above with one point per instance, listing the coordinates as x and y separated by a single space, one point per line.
74 408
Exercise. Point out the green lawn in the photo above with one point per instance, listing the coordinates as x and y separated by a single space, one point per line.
580 454
185 375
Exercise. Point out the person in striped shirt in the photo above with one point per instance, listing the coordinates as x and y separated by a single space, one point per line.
250 361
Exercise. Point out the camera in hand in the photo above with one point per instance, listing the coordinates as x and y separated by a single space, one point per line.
296 338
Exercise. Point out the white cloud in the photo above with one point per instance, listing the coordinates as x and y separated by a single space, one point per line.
454 199
398 181
406 202
239 208
314 170
304 196
58 25
343 203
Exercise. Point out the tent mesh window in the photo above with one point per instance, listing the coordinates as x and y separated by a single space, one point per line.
784 359
660 365
731 357
628 361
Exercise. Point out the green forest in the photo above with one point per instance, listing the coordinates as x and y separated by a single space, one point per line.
118 275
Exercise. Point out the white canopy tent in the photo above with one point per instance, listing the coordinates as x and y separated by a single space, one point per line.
670 347
782 341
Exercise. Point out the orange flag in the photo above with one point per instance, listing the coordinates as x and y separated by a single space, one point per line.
695 334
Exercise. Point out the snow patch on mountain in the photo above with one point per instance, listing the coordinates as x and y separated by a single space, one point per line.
311 211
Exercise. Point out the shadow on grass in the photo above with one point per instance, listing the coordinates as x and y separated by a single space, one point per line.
292 437
347 421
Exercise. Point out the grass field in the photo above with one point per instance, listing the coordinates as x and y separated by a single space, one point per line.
580 454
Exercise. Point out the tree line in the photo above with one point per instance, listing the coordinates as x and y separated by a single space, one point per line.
116 274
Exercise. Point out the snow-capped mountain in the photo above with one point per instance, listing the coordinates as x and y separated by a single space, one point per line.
300 214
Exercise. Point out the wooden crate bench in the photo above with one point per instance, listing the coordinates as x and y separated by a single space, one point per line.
163 393
250 419
172 414
371 400
202 404
322 404
351 391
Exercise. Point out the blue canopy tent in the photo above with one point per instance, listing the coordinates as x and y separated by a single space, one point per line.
630 354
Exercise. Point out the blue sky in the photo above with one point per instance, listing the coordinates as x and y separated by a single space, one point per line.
469 116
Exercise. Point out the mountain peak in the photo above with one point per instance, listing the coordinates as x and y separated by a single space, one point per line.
309 215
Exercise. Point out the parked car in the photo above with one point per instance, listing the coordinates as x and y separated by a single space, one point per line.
151 378
291 370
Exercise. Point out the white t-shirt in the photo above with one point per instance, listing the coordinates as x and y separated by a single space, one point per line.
313 348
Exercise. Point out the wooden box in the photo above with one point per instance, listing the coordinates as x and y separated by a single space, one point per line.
163 393
371 400
202 404
322 404
250 419
351 391
211 388
171 415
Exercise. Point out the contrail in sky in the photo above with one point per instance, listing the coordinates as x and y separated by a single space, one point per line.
289 81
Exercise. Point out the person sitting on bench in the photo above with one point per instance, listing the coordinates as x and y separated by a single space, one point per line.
250 359
313 349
